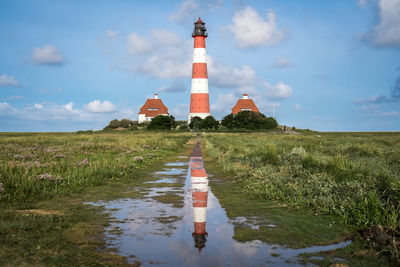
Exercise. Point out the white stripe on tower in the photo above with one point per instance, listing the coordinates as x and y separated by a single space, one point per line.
199 97
199 85
200 214
199 55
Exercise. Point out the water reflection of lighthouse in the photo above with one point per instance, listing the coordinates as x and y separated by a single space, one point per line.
199 188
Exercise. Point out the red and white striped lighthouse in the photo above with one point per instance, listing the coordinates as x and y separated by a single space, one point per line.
199 98
199 196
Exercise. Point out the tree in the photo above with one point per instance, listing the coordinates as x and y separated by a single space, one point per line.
209 123
126 123
227 121
183 127
195 123
114 124
162 122
249 120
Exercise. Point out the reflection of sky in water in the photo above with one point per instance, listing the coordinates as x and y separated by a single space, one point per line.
170 171
155 232
165 180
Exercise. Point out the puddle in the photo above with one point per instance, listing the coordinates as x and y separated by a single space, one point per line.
166 180
170 171
175 163
187 226
251 222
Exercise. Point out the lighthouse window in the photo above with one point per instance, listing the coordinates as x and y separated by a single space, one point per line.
152 109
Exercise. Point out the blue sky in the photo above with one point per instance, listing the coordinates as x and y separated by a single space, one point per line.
323 65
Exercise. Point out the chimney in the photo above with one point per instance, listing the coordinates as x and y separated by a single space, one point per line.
245 96
155 96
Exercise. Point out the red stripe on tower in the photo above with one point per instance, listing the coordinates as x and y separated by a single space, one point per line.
199 98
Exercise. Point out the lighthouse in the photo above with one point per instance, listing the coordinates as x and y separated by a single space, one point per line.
199 181
199 98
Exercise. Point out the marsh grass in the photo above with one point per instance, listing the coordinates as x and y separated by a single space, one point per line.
39 166
48 177
354 176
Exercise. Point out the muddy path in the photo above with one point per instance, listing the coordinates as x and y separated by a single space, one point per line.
174 219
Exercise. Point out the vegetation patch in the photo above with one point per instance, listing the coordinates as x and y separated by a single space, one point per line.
46 179
351 178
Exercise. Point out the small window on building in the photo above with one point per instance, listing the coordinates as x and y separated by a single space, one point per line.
152 109
243 109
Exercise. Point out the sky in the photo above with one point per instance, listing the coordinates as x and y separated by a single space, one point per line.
323 65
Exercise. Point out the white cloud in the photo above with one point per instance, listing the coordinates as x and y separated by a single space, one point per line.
387 32
176 86
251 30
228 76
224 104
38 106
4 106
170 60
212 3
375 109
137 44
186 10
180 111
47 55
52 117
165 37
112 34
377 99
297 107
362 3
167 64
278 91
6 80
69 106
373 99
282 62
387 113
13 97
96 106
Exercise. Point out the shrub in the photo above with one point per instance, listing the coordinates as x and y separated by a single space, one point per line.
184 127
249 120
227 121
195 123
209 123
125 123
113 124
162 122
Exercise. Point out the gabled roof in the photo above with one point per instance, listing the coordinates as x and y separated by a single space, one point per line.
244 104
156 107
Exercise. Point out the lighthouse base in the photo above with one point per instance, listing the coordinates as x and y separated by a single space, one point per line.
201 115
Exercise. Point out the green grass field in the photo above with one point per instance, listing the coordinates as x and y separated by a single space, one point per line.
352 176
39 165
46 179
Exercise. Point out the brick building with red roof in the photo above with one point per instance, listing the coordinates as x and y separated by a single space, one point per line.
245 104
152 108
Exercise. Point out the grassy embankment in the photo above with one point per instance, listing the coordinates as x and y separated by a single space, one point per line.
44 178
352 176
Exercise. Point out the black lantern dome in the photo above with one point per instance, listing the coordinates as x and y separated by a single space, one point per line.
199 28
